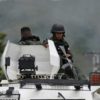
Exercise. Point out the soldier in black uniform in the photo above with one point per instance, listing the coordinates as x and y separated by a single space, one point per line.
58 34
27 38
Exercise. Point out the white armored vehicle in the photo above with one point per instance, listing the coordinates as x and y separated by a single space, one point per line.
30 72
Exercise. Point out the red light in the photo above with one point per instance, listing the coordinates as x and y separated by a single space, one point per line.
95 78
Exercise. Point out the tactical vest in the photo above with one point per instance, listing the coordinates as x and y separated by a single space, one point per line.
61 43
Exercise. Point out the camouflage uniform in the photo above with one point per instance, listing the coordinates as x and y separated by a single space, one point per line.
29 40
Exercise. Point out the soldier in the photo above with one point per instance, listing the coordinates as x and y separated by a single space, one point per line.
58 34
27 38
67 69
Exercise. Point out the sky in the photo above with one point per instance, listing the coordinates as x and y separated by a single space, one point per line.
79 17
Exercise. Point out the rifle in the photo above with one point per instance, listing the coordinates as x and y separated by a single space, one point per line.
69 63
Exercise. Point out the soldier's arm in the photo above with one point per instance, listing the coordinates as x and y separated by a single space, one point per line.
45 43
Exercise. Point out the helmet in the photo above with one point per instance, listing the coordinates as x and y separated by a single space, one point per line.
57 28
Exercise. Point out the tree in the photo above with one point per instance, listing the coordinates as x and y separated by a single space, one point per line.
2 45
2 38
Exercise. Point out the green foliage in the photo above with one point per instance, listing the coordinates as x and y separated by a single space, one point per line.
2 76
2 38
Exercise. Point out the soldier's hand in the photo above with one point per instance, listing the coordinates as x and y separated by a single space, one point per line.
45 45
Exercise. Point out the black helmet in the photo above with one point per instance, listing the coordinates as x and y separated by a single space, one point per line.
57 28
